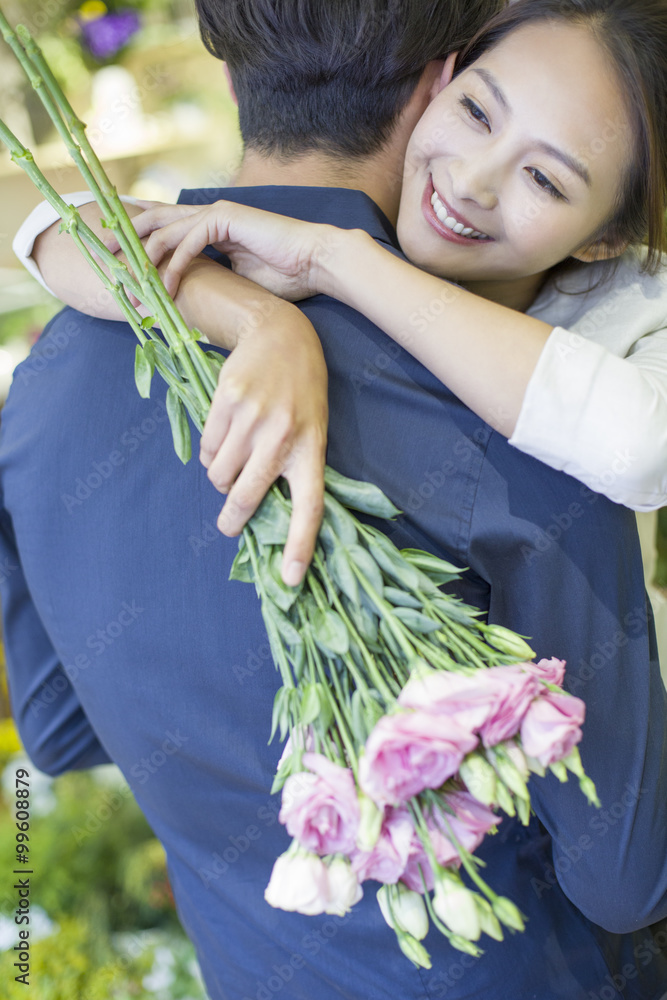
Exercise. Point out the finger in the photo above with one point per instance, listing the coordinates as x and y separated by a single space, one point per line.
230 459
215 430
187 242
157 218
306 480
258 476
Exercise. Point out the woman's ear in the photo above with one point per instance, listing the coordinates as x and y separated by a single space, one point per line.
600 250
446 75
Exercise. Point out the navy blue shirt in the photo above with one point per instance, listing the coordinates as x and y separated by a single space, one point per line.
126 642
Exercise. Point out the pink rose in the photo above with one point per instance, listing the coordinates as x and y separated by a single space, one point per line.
471 822
469 825
516 688
552 671
320 807
386 862
467 698
411 751
552 727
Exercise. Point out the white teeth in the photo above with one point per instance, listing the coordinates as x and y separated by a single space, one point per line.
452 223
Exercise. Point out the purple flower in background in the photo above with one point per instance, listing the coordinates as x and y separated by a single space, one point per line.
106 35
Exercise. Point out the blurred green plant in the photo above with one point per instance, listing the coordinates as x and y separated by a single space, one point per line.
100 876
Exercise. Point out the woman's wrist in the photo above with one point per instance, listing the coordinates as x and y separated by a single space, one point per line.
338 260
223 305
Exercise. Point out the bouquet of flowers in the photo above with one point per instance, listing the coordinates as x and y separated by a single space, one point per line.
411 724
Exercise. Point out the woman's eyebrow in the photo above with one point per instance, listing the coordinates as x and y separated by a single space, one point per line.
491 82
570 162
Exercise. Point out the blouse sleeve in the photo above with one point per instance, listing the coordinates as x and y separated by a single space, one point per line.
41 219
600 417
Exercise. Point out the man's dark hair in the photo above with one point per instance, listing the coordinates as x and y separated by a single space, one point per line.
331 75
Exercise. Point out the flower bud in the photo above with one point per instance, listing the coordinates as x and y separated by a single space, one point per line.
455 905
370 823
344 888
414 950
588 788
479 778
508 913
573 762
488 919
508 642
508 774
408 912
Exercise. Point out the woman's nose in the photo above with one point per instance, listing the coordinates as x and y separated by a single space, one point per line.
476 179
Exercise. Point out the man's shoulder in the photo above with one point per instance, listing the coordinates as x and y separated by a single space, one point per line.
346 208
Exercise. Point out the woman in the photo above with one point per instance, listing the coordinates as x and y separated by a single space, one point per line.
532 180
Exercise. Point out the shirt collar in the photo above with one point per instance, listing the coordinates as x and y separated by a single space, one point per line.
342 207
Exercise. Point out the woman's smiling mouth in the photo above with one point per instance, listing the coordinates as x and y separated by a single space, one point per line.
447 223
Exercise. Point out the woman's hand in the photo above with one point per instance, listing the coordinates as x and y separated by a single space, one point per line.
281 254
269 418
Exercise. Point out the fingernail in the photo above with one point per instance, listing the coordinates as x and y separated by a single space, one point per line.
294 573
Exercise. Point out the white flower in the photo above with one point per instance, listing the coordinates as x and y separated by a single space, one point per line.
344 888
407 909
299 881
455 905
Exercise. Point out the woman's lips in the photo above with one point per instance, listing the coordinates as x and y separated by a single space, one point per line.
440 228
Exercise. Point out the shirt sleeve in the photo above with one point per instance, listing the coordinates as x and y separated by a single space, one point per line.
41 219
51 722
599 417
564 567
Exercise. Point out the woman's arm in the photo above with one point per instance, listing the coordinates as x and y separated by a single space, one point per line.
262 423
600 417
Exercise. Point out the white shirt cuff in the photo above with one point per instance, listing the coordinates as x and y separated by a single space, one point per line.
41 219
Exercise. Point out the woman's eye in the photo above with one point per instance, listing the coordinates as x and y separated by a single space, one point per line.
474 111
545 184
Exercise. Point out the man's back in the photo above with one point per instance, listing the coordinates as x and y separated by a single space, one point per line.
128 575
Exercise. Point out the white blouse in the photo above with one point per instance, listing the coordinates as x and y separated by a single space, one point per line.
596 405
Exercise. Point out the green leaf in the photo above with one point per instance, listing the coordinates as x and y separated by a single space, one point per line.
216 360
270 522
401 598
392 562
279 713
416 621
282 624
164 359
390 639
360 728
330 633
148 322
430 563
456 610
297 657
365 622
359 495
273 584
180 428
340 521
367 565
310 704
144 366
242 568
342 574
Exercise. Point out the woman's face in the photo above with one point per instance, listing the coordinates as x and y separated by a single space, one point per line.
517 161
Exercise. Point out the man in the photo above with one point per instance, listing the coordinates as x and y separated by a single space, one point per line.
120 603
